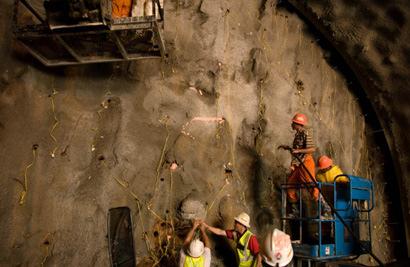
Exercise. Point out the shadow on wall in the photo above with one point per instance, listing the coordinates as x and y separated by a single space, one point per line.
267 197
94 71
224 251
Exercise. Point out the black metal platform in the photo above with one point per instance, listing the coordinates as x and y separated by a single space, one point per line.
108 40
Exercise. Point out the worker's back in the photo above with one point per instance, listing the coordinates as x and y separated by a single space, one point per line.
329 175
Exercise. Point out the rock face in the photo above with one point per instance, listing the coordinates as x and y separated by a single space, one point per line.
192 209
108 135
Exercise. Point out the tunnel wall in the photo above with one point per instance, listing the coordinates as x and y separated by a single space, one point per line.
108 134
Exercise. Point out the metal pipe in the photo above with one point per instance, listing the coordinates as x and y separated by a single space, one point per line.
69 49
161 11
120 46
36 54
33 11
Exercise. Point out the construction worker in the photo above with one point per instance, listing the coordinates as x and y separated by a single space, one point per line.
141 8
247 246
121 8
277 249
328 172
198 254
302 148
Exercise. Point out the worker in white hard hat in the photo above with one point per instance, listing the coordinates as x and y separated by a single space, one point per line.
277 249
198 253
247 246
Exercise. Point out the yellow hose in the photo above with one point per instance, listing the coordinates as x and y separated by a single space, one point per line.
23 193
56 123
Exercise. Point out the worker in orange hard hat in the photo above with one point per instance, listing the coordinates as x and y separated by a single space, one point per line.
328 172
302 148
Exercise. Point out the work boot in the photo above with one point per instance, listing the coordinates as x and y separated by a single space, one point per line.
326 211
295 213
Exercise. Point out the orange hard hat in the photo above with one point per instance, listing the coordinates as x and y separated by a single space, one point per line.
324 162
300 118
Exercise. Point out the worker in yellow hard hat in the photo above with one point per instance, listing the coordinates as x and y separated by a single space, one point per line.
247 246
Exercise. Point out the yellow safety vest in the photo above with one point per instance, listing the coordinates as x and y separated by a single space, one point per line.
194 262
243 254
329 175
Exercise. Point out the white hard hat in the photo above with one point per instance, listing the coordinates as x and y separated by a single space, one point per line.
278 248
196 248
244 219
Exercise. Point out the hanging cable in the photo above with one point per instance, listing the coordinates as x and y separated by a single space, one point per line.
23 193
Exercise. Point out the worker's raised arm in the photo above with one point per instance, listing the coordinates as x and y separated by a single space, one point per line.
205 237
191 232
309 150
259 260
215 230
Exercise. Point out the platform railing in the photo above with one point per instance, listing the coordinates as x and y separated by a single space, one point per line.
349 214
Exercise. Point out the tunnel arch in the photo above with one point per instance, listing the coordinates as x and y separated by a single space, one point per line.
362 86
199 86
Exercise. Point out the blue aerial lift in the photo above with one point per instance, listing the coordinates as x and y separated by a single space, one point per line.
345 235
352 201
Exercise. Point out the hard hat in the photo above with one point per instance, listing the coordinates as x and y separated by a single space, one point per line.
278 249
196 248
324 162
300 118
243 219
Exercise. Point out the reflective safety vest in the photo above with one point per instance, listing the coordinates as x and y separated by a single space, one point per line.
243 254
194 262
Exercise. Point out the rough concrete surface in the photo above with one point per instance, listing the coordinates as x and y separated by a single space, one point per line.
108 134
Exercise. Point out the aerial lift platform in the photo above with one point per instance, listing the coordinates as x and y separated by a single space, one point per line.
57 35
320 239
